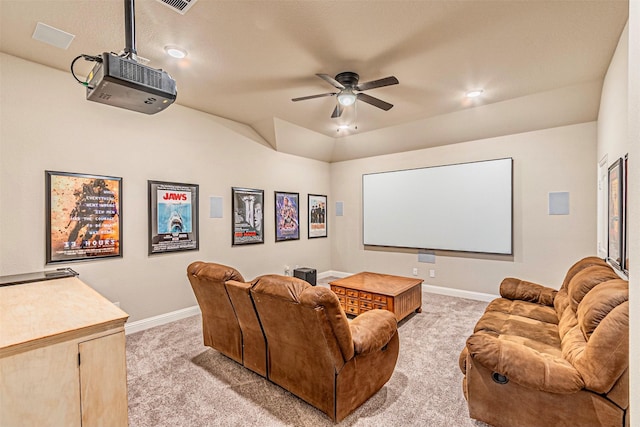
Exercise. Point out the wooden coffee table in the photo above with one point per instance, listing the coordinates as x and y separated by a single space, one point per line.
366 291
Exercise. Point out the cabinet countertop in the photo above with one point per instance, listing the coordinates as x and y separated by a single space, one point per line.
54 308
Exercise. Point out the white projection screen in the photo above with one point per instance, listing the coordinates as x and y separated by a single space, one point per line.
465 207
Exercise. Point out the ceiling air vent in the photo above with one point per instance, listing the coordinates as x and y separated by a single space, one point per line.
180 6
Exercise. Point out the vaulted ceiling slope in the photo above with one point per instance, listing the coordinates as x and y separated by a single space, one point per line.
540 63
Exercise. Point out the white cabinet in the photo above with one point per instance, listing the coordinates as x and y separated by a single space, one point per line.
62 356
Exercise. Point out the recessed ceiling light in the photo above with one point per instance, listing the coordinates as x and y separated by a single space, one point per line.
175 51
474 93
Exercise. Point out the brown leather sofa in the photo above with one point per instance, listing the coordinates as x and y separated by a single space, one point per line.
297 336
541 357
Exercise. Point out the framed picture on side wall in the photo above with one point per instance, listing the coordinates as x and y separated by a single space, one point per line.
287 216
615 249
173 217
248 217
317 217
625 265
84 216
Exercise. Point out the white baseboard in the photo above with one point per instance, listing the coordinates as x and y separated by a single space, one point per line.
479 296
333 273
141 325
150 322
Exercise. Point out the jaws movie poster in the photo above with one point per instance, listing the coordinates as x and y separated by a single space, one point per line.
173 222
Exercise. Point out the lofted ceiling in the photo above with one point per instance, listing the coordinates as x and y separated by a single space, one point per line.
540 63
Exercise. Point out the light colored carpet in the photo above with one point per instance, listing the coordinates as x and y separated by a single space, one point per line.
175 381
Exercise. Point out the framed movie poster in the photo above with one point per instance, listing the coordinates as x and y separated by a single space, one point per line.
287 224
317 215
83 216
248 218
625 266
615 252
173 217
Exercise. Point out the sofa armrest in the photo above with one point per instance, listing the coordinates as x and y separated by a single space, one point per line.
372 330
516 289
523 365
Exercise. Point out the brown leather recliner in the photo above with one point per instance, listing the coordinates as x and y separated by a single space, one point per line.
220 327
229 321
297 336
253 339
541 357
315 352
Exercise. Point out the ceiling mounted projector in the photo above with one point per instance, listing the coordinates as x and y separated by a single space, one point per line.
121 81
125 83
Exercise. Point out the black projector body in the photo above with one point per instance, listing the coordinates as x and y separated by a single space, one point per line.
124 83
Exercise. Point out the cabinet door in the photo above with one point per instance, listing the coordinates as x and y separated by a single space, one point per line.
103 381
39 387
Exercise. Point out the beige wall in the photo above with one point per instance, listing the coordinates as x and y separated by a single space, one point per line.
558 159
48 125
619 119
612 129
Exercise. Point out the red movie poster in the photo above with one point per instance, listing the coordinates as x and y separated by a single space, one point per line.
83 217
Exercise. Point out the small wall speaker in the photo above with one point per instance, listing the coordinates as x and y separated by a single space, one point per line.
339 208
427 256
215 207
559 203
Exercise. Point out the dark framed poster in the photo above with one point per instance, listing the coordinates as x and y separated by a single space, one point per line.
84 216
317 215
173 217
248 217
615 249
625 265
287 216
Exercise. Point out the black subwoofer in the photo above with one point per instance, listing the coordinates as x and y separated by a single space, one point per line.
306 274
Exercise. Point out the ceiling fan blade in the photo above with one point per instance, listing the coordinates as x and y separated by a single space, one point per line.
302 98
374 101
337 112
333 82
387 81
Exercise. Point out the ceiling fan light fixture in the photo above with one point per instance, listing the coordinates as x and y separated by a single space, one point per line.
347 97
474 93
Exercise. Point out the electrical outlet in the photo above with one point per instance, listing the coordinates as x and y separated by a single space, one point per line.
432 273
287 270
415 271
117 304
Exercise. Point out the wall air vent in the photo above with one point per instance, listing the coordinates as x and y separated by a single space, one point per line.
180 6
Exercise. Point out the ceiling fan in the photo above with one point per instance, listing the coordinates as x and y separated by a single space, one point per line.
350 91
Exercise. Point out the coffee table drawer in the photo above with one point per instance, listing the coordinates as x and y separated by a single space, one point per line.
365 305
380 299
337 290
365 295
352 293
352 309
352 301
